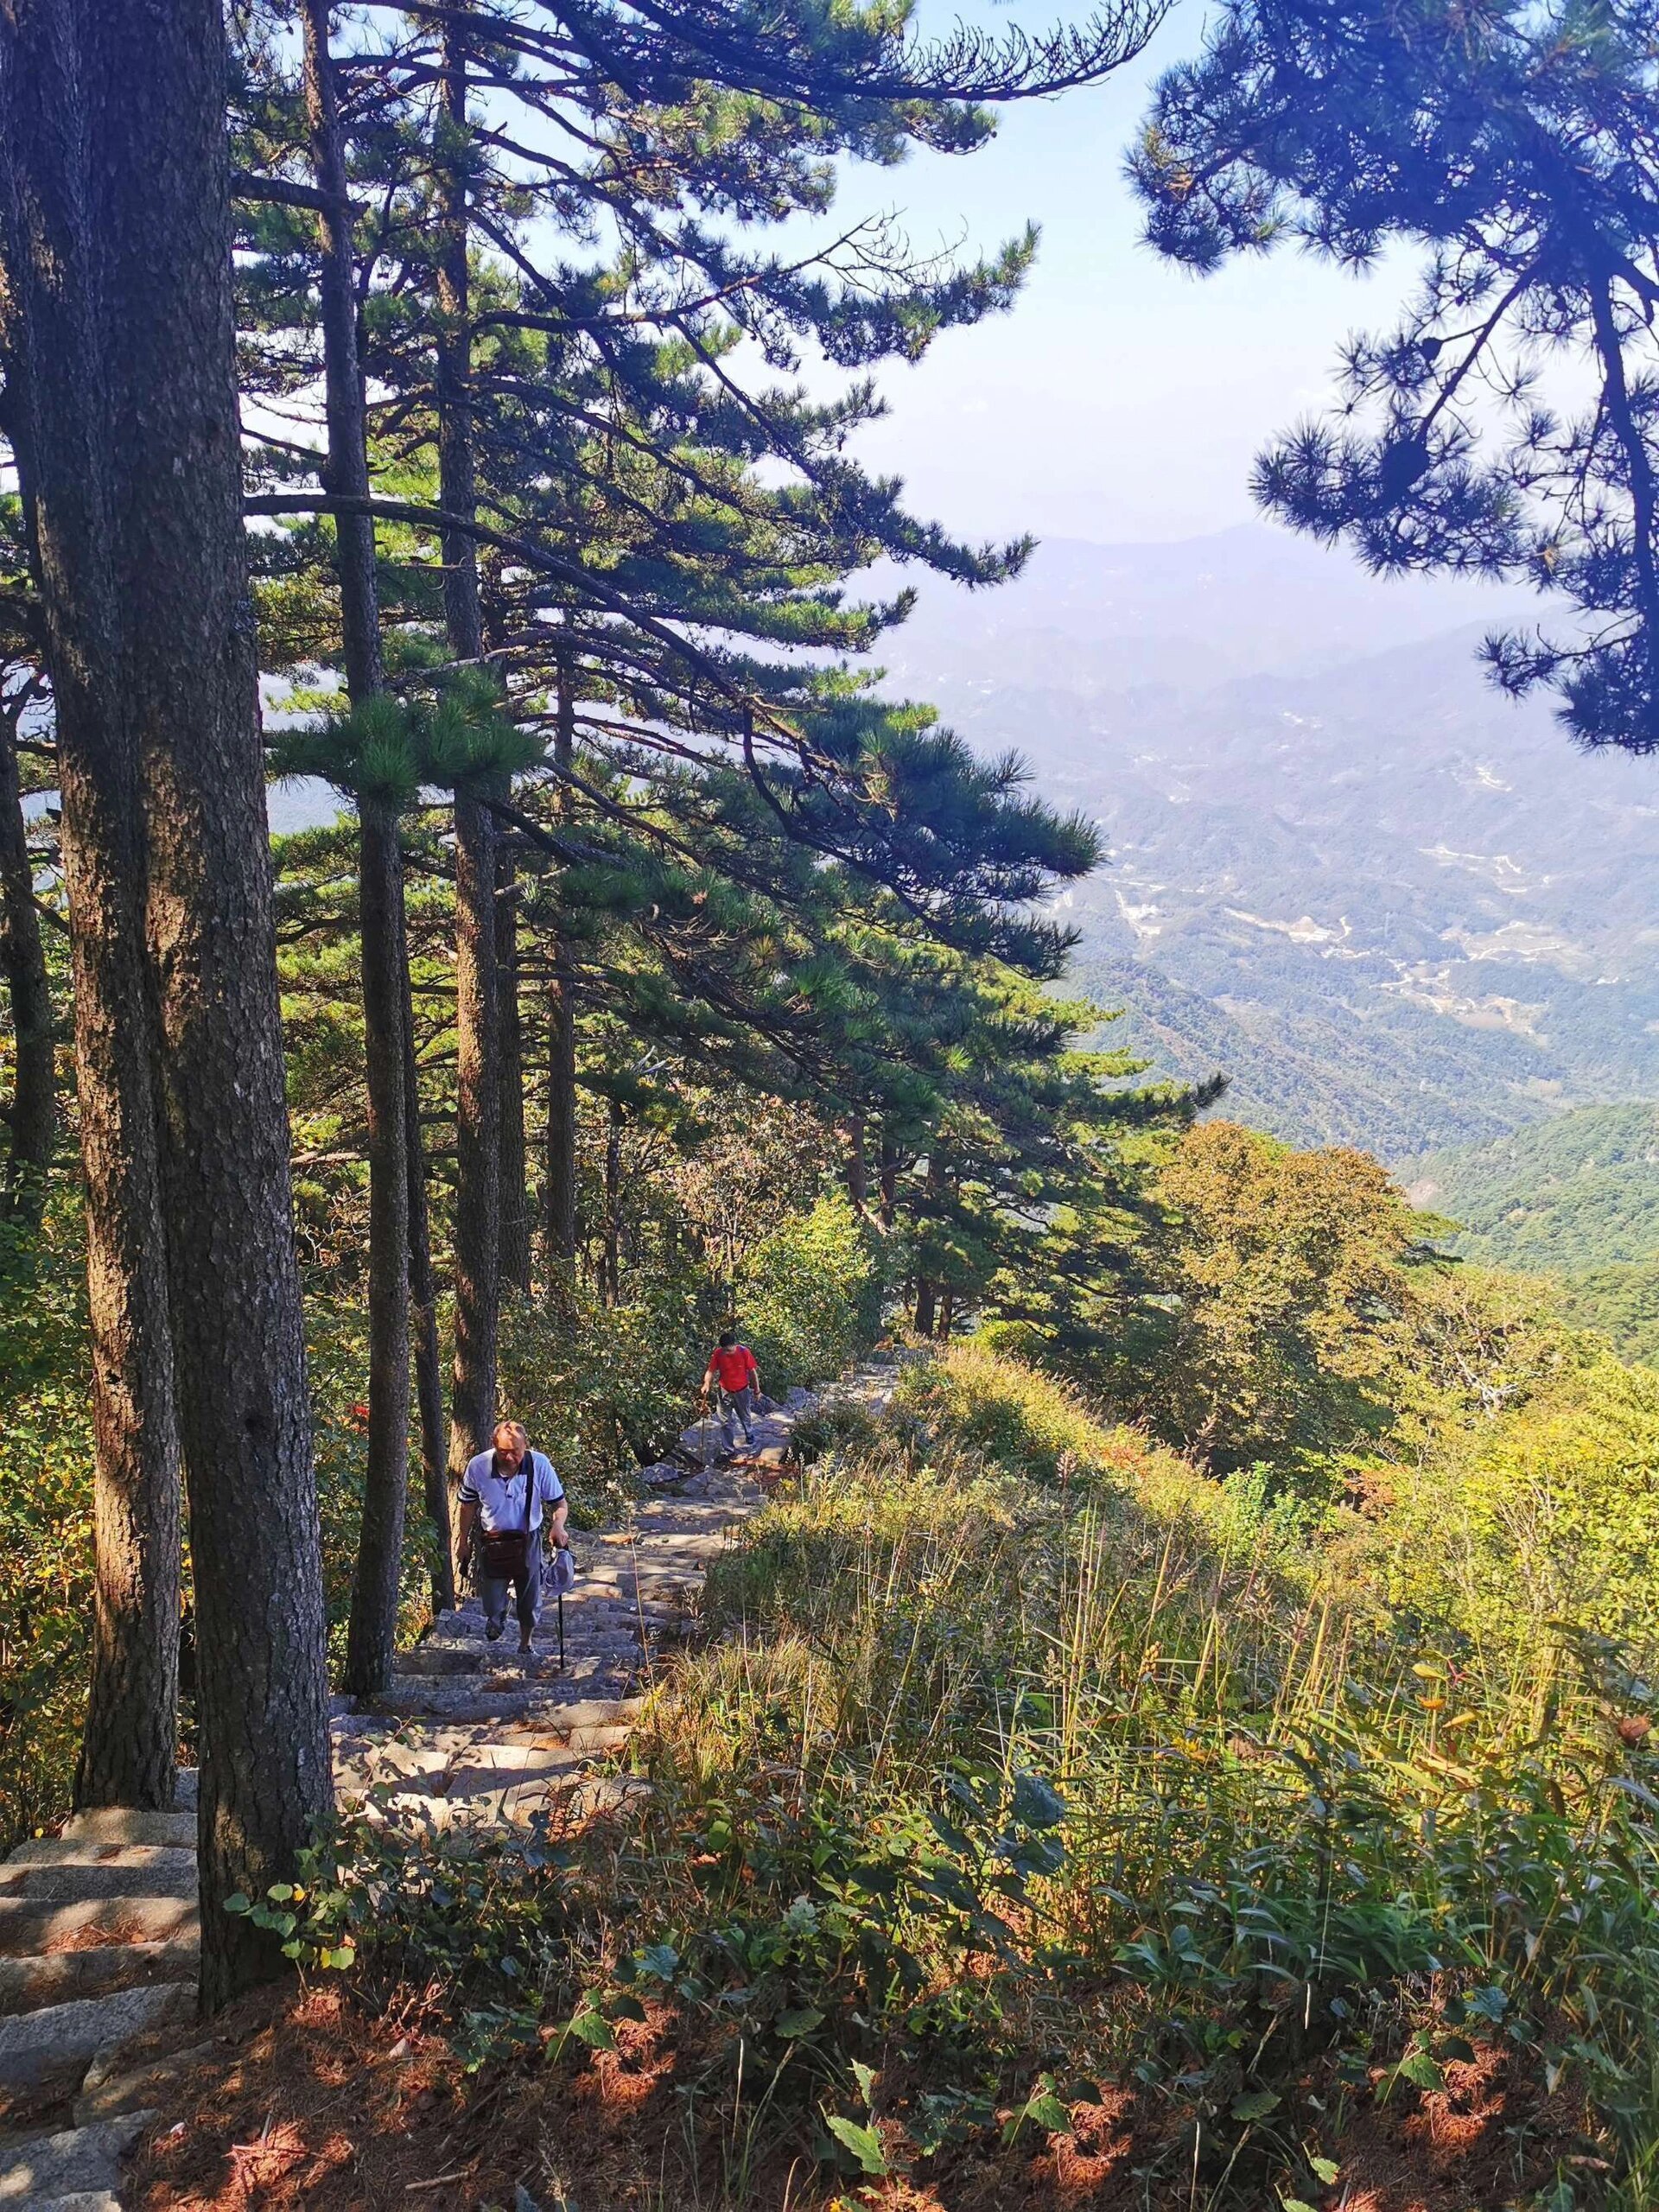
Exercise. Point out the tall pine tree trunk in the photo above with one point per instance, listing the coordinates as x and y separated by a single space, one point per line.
561 1177
33 1110
858 1181
60 425
926 1305
515 1196
478 1150
372 1627
371 1630
888 1182
463 612
610 1260
190 684
477 1156
559 1209
424 1322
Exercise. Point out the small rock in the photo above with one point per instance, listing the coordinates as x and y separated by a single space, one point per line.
662 1474
110 2089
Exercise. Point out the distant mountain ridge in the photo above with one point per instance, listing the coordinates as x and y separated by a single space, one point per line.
1393 908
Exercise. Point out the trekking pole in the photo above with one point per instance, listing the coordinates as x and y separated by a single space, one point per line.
561 1604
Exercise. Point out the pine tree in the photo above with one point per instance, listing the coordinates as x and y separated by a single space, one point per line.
576 428
119 252
1514 147
57 414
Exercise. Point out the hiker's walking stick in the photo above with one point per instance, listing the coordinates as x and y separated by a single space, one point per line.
561 1602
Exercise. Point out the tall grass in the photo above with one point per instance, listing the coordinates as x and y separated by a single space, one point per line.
1299 1834
1024 1769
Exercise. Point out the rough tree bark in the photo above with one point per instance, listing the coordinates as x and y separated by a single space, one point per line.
33 1111
478 1159
423 1323
560 1199
888 1181
515 1196
858 1181
610 1255
372 1627
60 425
161 208
463 610
560 1206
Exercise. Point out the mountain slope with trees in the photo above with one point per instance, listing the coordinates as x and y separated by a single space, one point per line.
1208 1718
1575 1199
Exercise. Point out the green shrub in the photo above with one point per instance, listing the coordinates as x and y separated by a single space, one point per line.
45 1530
811 1294
1543 1515
1023 1420
602 1389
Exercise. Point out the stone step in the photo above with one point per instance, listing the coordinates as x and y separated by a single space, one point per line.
28 1982
493 1767
436 1659
477 1705
125 1824
136 1870
92 1851
37 2047
81 2200
112 2089
40 1926
592 1712
610 1796
466 1635
41 2171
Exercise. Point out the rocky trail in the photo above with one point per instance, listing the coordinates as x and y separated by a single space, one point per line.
100 1927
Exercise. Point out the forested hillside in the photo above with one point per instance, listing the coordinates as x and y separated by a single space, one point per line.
1165 1718
1576 1198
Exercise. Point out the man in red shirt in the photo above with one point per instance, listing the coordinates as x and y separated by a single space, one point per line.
732 1372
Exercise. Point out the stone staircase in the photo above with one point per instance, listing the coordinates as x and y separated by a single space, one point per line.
99 1939
99 1931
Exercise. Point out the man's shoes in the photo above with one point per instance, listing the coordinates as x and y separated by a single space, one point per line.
526 1641
492 1629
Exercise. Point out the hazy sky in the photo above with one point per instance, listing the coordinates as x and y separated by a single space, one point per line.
1122 399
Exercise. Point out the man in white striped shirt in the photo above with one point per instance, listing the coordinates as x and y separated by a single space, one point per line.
510 1491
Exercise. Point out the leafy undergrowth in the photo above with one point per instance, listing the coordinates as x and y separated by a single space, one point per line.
1041 1823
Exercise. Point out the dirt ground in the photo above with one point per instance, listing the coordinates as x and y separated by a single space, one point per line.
303 2099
